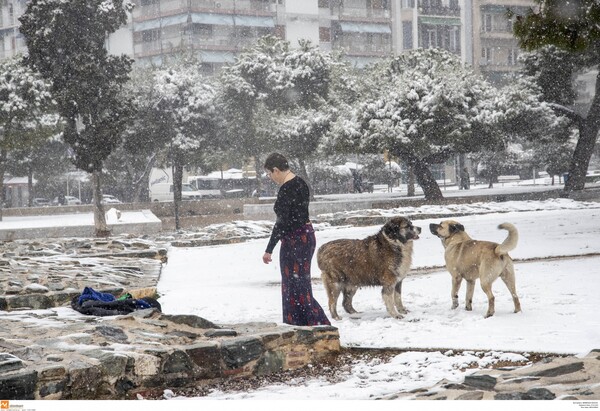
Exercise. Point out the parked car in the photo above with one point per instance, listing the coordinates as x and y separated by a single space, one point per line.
110 199
68 200
593 177
40 202
164 192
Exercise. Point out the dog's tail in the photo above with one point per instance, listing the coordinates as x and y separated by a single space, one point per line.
511 241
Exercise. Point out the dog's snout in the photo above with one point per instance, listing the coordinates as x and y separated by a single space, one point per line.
433 228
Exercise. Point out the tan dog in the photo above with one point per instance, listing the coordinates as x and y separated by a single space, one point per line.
484 260
382 259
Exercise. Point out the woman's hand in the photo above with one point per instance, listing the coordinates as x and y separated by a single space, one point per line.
267 258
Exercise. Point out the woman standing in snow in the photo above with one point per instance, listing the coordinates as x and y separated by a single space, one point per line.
298 244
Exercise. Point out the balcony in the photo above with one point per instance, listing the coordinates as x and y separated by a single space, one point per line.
364 13
369 49
439 11
232 5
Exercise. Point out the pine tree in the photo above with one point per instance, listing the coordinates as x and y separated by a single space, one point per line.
24 97
573 26
66 42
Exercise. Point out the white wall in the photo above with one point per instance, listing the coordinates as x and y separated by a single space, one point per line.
302 29
302 6
121 41
302 21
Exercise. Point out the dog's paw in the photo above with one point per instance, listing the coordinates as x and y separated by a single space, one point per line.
454 306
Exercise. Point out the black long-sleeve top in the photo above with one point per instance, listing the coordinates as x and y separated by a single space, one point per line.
291 209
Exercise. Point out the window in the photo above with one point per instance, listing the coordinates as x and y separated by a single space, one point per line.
513 54
408 4
486 55
325 34
204 31
486 22
149 36
454 39
431 39
407 35
509 25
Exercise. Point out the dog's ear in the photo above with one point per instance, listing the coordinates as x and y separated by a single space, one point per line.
457 227
390 228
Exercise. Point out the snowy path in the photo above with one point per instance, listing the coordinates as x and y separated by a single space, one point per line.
229 284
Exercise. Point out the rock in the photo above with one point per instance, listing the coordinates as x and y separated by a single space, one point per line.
207 359
178 362
9 362
85 381
220 333
270 363
512 396
239 352
36 288
189 320
539 394
18 386
474 395
52 389
485 382
532 394
560 370
112 333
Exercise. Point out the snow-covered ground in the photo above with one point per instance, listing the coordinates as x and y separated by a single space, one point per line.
558 282
559 297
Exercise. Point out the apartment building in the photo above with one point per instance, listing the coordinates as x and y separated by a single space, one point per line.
217 30
214 31
495 49
11 39
369 29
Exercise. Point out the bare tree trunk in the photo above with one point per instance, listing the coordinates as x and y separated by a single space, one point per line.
425 178
3 156
30 186
138 186
410 182
259 170
304 174
588 133
99 216
177 182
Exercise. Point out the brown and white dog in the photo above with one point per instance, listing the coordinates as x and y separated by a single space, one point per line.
472 259
382 259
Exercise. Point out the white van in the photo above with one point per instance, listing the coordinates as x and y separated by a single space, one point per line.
164 192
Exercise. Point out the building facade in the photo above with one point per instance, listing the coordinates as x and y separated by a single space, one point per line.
215 31
495 48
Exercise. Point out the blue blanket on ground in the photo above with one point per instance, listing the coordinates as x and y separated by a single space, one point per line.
93 302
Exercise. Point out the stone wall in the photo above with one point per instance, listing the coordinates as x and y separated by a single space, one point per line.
148 352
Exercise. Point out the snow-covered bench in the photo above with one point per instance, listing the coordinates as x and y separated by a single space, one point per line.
506 179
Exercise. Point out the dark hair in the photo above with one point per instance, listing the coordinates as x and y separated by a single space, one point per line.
276 160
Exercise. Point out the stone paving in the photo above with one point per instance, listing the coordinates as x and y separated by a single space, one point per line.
567 378
49 351
41 274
